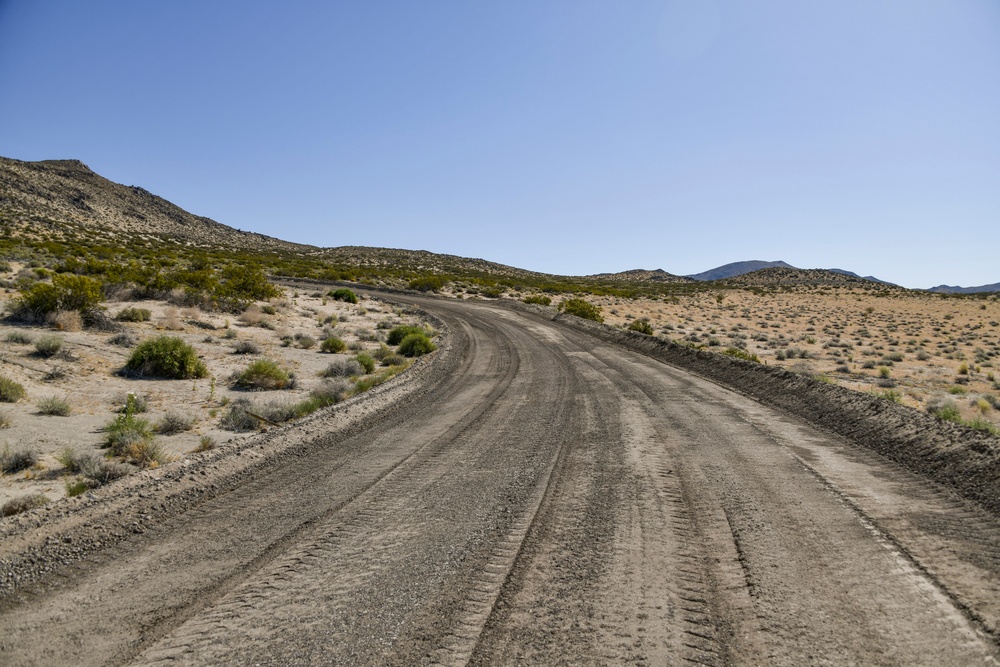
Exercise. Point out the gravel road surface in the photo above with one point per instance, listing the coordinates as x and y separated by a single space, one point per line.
533 497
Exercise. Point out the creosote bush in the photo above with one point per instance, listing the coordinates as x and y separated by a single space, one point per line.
398 333
416 345
538 299
332 345
262 375
366 361
343 294
641 326
582 308
167 357
134 315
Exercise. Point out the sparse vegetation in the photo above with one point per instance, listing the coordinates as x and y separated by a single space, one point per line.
172 423
167 357
538 299
398 333
342 368
642 326
332 345
366 361
134 315
246 347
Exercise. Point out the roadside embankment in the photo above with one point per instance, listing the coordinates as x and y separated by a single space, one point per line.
959 457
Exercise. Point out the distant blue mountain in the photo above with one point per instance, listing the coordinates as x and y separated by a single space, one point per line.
737 269
949 289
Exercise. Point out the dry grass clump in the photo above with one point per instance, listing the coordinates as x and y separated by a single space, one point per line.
54 406
342 368
134 315
262 375
67 320
23 504
48 346
172 423
12 461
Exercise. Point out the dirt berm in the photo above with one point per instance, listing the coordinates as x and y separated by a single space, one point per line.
962 458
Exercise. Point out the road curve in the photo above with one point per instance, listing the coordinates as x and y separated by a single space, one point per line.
547 499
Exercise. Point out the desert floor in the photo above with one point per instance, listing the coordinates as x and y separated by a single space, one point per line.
84 373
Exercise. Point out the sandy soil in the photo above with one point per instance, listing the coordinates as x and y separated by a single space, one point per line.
847 336
85 374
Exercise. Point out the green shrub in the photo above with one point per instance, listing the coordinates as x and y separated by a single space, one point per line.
262 375
65 292
125 431
54 406
23 504
242 284
343 294
167 357
641 326
538 299
945 410
582 308
17 460
741 354
393 360
981 424
48 346
19 338
366 361
332 345
10 391
77 487
342 368
397 334
416 345
205 443
428 283
134 315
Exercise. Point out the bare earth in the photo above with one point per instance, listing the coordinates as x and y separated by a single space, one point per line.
529 495
89 382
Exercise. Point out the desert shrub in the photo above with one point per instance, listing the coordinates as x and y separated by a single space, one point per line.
981 424
366 361
382 352
166 356
19 338
342 368
741 354
48 346
96 470
5 419
888 394
944 409
957 390
332 345
132 402
65 292
205 443
331 391
262 375
884 372
246 347
126 431
238 418
428 283
172 423
538 299
398 333
123 339
268 309
305 341
10 391
54 406
134 315
642 326
77 487
416 345
393 360
144 453
343 294
963 369
17 460
23 504
242 284
55 373
582 308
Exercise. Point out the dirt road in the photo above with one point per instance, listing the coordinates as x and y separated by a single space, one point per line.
542 498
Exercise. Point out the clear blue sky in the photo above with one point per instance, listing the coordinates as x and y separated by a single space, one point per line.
569 137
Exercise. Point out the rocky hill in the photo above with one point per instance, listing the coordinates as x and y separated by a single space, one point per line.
738 269
782 277
641 276
62 198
